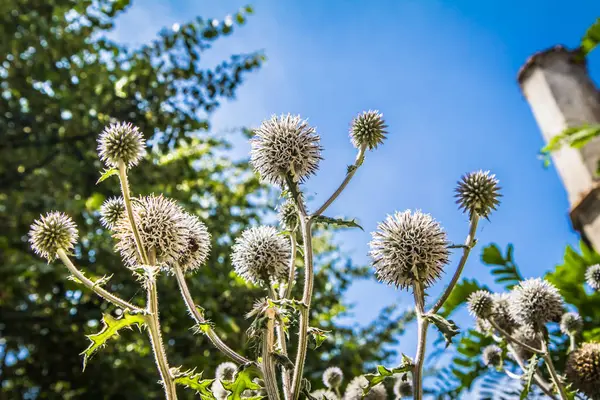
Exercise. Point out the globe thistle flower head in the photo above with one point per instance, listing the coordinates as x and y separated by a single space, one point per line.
261 255
535 302
121 142
285 145
288 215
478 193
198 244
492 356
111 211
480 304
403 387
526 334
501 312
226 371
161 224
356 387
51 232
368 129
571 323
592 276
409 247
483 326
324 394
583 369
332 377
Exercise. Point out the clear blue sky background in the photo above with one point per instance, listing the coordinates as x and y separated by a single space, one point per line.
442 72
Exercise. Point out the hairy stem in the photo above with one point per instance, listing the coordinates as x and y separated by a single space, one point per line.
127 200
555 378
292 267
268 362
199 318
100 291
514 340
351 171
543 385
422 325
154 333
281 342
572 342
469 242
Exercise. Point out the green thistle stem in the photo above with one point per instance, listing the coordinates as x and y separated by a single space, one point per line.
280 329
199 318
550 365
572 341
543 385
292 267
422 325
268 362
106 295
514 340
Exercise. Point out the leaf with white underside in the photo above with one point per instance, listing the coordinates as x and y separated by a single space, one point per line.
111 329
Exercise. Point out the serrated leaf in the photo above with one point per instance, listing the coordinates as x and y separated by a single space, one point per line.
110 329
383 373
203 327
590 40
528 376
447 327
243 381
318 336
107 173
194 381
340 222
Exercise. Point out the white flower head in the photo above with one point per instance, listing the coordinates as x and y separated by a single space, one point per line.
288 215
403 387
324 394
111 211
261 255
526 334
492 356
368 129
478 193
409 247
354 390
480 304
571 323
536 302
198 244
501 312
285 145
592 276
53 231
332 377
121 142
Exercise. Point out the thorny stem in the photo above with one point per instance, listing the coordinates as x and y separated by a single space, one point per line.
154 333
94 286
268 362
281 342
127 201
292 267
351 171
514 340
422 325
544 386
469 243
550 365
199 318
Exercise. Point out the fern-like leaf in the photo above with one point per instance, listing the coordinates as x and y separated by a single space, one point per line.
503 267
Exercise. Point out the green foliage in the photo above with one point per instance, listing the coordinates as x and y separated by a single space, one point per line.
243 381
192 380
406 365
532 365
590 40
337 222
447 327
111 327
503 267
576 137
107 173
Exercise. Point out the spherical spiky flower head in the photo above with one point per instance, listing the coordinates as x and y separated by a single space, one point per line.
261 255
121 142
501 312
583 369
368 129
403 387
332 377
483 326
53 231
285 145
592 276
492 356
478 193
354 390
288 215
198 244
111 211
535 302
526 334
480 304
571 323
324 394
226 371
162 228
408 248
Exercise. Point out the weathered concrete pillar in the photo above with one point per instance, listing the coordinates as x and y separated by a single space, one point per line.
561 94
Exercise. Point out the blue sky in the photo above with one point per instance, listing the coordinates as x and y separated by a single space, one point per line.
442 72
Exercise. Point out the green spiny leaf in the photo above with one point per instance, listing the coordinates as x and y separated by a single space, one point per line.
110 329
340 222
194 381
243 381
528 376
318 335
107 173
383 373
447 327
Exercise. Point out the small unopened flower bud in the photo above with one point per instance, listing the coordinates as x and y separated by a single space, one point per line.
332 377
492 355
285 145
403 387
52 232
583 369
288 215
478 193
368 129
535 302
480 304
198 244
408 248
121 142
261 255
571 323
592 276
354 390
111 211
324 394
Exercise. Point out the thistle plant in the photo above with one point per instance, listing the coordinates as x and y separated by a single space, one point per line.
409 250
